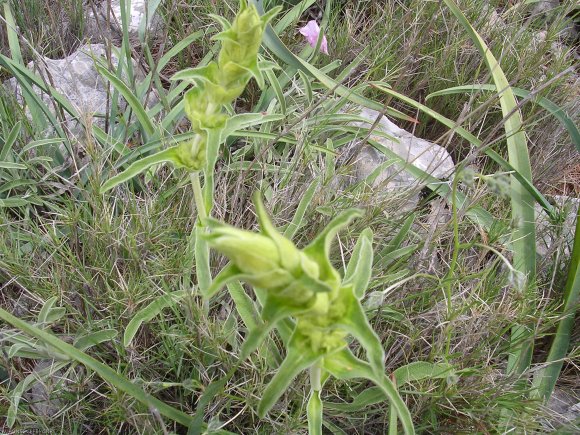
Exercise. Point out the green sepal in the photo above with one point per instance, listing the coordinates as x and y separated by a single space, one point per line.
289 254
272 313
344 365
355 322
319 249
199 74
268 16
267 65
227 35
226 25
297 359
255 71
226 275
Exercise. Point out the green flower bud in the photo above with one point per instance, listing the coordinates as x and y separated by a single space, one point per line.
256 255
241 41
191 155
318 339
197 102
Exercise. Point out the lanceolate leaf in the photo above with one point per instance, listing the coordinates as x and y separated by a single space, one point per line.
356 323
149 313
547 104
167 155
344 365
296 222
359 269
319 249
298 358
132 100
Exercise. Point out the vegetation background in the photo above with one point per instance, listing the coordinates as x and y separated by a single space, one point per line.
81 264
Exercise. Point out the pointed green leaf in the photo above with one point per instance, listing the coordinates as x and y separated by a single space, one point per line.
297 359
319 249
45 310
344 365
94 338
149 313
10 141
296 222
131 99
420 370
226 275
136 168
356 323
360 267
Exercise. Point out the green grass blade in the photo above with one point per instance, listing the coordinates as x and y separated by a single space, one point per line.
131 99
507 166
10 140
546 378
547 104
149 313
11 31
167 155
523 214
104 371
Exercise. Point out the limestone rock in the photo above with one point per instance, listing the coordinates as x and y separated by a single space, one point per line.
366 160
101 23
76 78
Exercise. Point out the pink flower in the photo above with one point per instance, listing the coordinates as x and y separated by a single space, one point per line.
311 32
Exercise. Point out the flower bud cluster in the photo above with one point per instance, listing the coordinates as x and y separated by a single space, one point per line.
221 82
293 277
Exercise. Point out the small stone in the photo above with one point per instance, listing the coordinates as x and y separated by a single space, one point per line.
97 30
365 160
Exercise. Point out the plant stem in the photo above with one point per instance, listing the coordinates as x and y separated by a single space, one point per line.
453 265
198 197
315 374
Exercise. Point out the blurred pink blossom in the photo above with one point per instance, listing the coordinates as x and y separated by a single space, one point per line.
311 32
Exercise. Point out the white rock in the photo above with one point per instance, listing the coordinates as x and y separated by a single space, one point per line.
76 78
427 156
96 27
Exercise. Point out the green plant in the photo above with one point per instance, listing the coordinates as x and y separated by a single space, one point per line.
302 285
